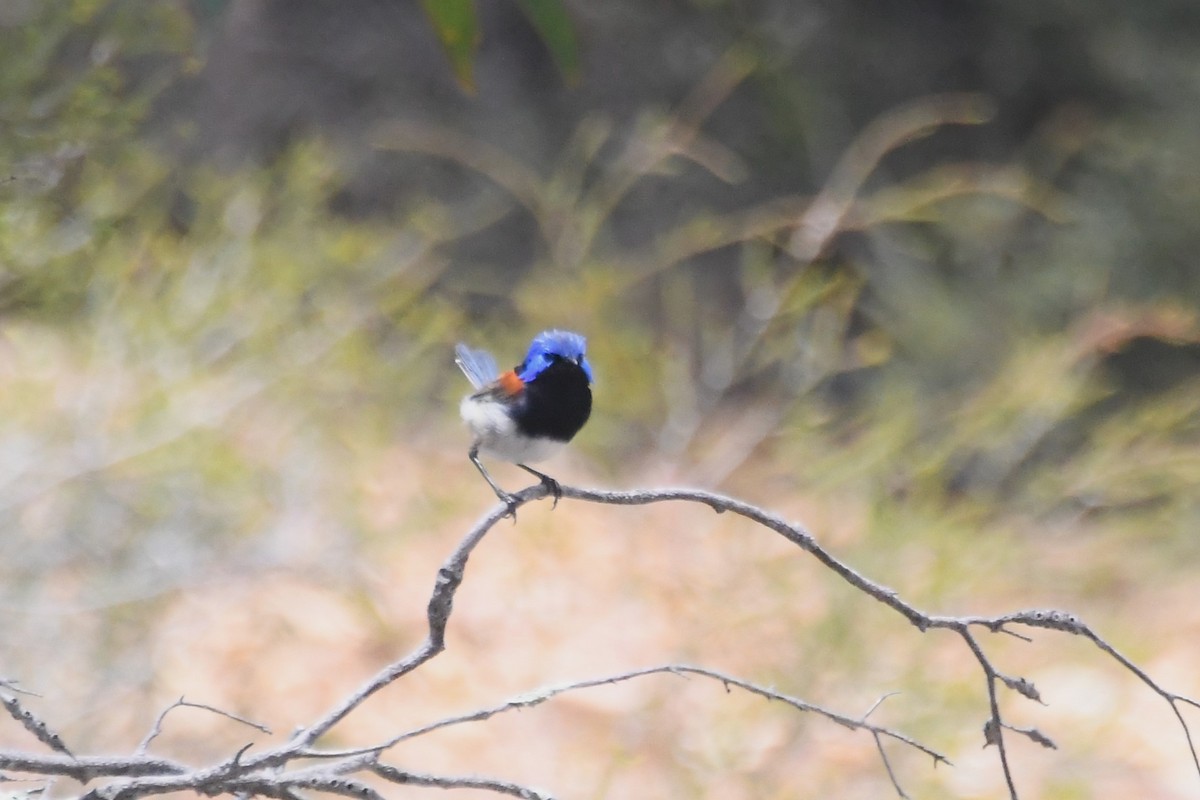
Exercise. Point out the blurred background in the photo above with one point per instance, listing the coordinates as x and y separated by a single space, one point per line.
921 274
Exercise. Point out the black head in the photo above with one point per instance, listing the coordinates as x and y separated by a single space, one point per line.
557 401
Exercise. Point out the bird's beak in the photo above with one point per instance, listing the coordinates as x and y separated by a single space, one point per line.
587 368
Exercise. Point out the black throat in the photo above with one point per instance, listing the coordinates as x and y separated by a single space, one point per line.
556 403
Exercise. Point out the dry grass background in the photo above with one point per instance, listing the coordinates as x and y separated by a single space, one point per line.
230 465
234 482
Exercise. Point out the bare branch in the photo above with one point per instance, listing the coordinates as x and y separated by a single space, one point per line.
797 534
86 768
1174 699
34 725
406 778
270 773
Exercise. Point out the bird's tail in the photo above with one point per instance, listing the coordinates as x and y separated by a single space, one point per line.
477 365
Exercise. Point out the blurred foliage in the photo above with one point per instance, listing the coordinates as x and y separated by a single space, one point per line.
456 24
457 28
215 370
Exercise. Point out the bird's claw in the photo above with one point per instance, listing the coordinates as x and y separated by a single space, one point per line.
553 488
510 505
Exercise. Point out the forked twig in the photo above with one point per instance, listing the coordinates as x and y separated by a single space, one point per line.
156 728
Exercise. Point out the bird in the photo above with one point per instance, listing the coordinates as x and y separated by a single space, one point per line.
530 412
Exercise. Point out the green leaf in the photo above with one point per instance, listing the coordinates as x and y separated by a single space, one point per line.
456 25
554 26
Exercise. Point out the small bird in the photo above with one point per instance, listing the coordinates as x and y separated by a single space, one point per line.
531 411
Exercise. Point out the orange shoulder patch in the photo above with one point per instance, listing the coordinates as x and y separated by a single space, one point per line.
511 383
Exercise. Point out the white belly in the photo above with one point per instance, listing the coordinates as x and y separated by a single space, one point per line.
496 434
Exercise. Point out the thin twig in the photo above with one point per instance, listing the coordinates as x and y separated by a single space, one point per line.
540 696
877 704
887 765
11 684
156 729
993 729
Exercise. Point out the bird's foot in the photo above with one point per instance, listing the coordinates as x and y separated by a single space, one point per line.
510 504
551 485
553 488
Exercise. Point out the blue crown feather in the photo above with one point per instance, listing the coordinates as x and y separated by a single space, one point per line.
549 344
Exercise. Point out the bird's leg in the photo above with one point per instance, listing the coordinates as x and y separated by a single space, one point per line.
550 484
504 496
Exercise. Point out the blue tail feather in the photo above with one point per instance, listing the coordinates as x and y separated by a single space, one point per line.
478 365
